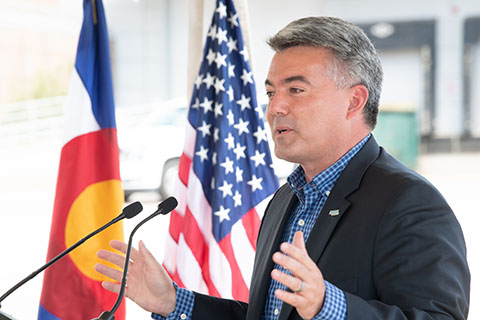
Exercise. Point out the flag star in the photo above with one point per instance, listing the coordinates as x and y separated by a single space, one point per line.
239 151
206 105
218 110
220 60
205 129
214 158
238 174
208 80
212 33
238 199
198 81
230 94
260 134
216 132
222 214
241 126
221 36
196 105
230 117
244 103
210 56
258 158
231 70
222 10
260 112
244 53
228 165
247 77
233 20
255 183
212 183
231 45
219 85
226 189
230 141
202 153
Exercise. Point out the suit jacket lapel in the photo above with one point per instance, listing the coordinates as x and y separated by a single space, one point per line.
328 218
268 242
337 202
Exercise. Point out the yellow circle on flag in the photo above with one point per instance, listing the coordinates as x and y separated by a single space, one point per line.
95 206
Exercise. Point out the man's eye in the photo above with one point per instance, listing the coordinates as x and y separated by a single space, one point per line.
270 94
296 90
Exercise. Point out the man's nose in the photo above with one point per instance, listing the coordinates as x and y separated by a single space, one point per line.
277 105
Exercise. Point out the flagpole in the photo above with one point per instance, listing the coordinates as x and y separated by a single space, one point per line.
243 17
94 10
195 42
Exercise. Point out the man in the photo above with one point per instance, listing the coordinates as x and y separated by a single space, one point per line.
354 234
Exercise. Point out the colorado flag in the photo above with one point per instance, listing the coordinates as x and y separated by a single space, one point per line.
89 190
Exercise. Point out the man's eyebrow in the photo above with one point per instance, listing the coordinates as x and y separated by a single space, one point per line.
289 79
296 78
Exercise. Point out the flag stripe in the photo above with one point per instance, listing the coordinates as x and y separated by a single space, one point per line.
239 287
189 269
251 222
196 242
184 168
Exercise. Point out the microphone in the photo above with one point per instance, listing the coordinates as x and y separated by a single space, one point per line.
163 208
128 212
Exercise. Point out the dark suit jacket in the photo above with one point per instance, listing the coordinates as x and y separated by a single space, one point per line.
395 249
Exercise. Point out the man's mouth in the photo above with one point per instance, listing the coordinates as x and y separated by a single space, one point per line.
281 131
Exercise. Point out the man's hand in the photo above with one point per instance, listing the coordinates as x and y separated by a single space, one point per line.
148 284
306 280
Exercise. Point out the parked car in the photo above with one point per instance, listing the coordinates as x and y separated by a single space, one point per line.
151 142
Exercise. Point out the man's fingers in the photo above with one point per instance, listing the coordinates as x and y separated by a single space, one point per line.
112 257
289 281
122 247
119 245
295 265
110 286
297 251
289 297
109 272
298 240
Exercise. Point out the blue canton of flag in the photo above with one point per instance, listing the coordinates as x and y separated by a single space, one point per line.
232 158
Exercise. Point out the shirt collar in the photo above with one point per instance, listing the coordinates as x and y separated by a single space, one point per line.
325 179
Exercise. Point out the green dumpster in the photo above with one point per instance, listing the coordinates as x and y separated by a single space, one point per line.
397 131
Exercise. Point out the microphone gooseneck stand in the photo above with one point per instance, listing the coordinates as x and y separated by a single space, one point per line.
128 212
163 208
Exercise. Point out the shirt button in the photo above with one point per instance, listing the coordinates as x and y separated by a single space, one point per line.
327 193
183 316
301 223
275 312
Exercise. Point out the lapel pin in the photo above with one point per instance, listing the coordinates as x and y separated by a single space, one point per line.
334 213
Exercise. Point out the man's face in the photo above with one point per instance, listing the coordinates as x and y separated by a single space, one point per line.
307 113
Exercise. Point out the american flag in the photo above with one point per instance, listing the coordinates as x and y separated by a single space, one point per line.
225 171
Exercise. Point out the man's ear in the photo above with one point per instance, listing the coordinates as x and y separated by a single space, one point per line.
358 99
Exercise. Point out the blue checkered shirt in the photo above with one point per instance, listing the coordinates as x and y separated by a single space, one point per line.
312 197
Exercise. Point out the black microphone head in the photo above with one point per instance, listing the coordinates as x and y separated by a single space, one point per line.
167 205
132 209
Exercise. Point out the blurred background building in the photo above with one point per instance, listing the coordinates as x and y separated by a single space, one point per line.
430 102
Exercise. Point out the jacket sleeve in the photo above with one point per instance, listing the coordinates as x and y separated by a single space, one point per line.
208 308
420 266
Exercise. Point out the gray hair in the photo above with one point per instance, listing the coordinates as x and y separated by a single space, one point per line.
355 60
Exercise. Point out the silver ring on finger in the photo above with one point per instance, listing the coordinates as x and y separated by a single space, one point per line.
302 286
